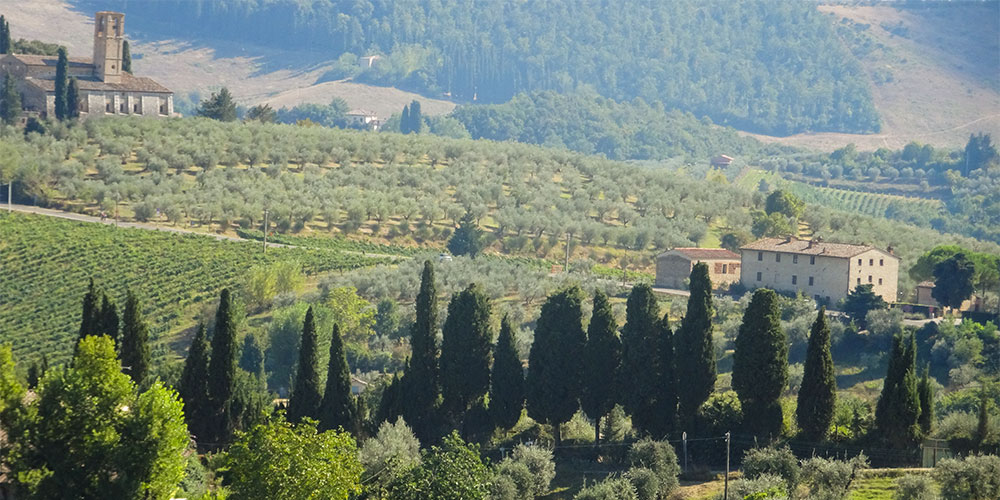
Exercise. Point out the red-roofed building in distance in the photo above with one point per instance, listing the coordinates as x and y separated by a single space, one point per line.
105 88
824 271
673 267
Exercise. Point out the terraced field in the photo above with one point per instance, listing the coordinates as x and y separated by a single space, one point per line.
45 264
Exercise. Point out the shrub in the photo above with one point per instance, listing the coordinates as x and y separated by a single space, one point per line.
764 486
391 453
914 487
972 478
774 462
659 458
541 468
609 489
721 413
830 479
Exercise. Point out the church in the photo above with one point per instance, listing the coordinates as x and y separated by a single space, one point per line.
105 89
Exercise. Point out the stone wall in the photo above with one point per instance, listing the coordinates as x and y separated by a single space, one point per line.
821 277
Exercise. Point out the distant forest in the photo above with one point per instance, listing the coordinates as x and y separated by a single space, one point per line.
762 66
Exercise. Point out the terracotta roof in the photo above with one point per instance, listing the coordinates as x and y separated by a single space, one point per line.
694 253
926 284
361 112
808 247
33 60
129 83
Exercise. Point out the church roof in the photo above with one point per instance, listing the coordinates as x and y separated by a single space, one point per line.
128 83
35 60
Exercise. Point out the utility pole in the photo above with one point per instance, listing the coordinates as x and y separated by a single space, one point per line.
265 230
684 437
725 488
569 239
10 189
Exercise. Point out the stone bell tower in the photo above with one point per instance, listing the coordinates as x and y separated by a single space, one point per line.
109 34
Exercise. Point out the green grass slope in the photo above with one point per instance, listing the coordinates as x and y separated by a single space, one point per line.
47 262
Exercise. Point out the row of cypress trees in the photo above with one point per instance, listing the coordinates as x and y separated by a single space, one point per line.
130 333
333 407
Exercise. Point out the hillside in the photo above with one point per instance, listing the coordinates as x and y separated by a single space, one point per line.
710 58
934 72
47 263
196 65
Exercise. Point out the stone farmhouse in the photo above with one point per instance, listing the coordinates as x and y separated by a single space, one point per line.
105 89
673 267
824 271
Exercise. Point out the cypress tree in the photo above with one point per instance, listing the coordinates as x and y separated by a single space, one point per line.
10 101
305 398
420 381
73 99
90 320
390 405
416 118
554 368
193 386
897 413
640 357
135 341
222 370
760 364
404 120
603 359
466 350
507 380
925 392
126 58
666 398
4 36
818 392
109 319
252 356
337 408
983 420
694 348
62 69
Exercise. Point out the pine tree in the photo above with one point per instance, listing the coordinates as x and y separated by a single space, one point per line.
925 391
10 101
62 69
90 321
219 106
5 47
252 356
193 386
603 359
897 413
818 391
640 357
507 380
338 408
305 398
466 350
109 319
126 58
760 364
467 239
404 121
666 398
554 368
694 348
222 371
73 99
420 381
135 340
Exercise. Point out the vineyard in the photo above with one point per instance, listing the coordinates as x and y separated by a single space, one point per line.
47 263
873 204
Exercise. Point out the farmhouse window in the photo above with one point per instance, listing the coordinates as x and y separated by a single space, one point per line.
880 281
881 262
859 281
812 260
758 275
725 269
810 281
869 278
859 262
760 255
795 259
871 262
795 280
777 257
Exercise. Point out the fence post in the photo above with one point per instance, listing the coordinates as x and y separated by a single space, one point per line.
684 436
725 488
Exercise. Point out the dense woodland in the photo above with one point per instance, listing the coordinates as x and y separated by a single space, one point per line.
762 66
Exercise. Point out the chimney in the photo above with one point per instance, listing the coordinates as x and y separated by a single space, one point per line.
892 251
811 243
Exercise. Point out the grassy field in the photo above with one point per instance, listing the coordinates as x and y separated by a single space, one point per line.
47 263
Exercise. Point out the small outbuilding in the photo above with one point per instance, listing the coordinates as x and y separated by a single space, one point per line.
673 267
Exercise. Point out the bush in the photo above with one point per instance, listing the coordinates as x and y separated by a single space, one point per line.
765 486
659 458
721 413
773 462
529 468
389 455
914 487
973 478
830 479
609 489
